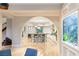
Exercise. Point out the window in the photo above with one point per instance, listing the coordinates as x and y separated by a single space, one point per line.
70 28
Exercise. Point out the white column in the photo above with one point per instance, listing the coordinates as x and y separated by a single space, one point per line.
9 28
0 32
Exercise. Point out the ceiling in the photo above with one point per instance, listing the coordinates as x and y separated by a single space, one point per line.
34 6
33 9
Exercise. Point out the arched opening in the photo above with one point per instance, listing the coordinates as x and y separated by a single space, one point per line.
38 25
35 33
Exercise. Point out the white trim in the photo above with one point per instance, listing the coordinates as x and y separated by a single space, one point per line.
70 13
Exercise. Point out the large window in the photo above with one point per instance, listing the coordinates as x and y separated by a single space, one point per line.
70 28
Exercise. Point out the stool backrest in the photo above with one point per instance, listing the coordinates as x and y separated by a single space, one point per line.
6 52
31 52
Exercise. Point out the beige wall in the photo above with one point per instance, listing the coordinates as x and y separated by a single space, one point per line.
17 24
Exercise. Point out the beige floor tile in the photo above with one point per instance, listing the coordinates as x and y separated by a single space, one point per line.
44 49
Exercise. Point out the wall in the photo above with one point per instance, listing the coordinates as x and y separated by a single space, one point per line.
17 24
57 21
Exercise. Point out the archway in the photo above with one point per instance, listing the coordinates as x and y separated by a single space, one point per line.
35 32
36 23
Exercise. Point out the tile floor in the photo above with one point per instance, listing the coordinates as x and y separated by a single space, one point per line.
44 49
